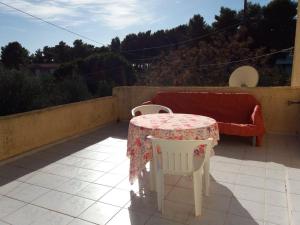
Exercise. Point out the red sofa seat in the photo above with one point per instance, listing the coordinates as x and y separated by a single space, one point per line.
236 113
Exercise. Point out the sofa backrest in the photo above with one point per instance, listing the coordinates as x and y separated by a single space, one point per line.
223 107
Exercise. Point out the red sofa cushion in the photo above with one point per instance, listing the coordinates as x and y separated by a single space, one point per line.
223 107
236 113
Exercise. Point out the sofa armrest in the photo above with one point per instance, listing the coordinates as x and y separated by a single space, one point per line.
147 102
257 118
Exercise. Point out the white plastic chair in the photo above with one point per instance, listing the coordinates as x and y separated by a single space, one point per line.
177 158
149 109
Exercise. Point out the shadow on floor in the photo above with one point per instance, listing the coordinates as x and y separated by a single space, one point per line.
217 209
281 151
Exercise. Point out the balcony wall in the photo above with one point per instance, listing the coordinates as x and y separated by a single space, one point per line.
279 117
22 132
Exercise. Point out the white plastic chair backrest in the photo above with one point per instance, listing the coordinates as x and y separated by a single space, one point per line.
150 109
177 156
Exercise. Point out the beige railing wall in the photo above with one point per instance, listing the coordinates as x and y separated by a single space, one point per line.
279 116
295 79
22 132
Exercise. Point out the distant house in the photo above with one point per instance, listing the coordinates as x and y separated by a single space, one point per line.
43 68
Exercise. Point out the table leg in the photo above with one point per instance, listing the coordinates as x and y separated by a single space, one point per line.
206 176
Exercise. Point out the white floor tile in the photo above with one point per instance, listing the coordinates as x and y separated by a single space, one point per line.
80 222
247 209
238 220
277 174
110 179
275 185
8 205
216 202
221 188
125 185
26 215
295 202
277 215
185 182
208 217
182 195
126 217
27 176
171 179
27 192
296 217
251 181
7 186
93 191
52 199
68 160
276 198
116 197
99 213
254 163
87 175
72 186
144 204
294 186
253 171
161 221
53 218
47 180
64 203
220 176
247 186
226 167
249 193
175 211
294 174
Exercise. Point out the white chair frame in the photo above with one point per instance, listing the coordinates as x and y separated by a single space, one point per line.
177 158
150 109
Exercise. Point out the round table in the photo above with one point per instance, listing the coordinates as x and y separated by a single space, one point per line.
169 126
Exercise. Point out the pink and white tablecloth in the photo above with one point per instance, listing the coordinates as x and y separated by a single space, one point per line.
168 126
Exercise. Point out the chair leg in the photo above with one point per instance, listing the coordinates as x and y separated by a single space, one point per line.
206 176
152 176
162 182
197 178
160 190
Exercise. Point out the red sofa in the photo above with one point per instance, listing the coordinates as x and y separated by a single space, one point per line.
236 113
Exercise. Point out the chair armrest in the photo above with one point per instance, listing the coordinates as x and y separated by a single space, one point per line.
257 118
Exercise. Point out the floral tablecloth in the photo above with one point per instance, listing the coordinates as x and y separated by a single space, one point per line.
168 126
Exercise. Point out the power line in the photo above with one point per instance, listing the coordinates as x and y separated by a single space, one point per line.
52 24
155 47
235 61
206 65
247 59
182 42
128 51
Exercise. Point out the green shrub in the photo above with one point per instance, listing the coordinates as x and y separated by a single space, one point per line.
20 91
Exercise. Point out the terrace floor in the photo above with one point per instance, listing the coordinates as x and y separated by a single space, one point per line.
84 181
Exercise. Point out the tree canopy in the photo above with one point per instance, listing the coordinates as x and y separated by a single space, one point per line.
13 55
195 53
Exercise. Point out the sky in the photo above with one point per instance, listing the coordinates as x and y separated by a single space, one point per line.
100 20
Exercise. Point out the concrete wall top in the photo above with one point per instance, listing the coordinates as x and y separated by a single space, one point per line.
278 115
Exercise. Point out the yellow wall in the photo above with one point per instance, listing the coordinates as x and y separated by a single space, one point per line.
22 132
279 117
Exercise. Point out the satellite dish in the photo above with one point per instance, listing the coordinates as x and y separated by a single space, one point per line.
244 76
